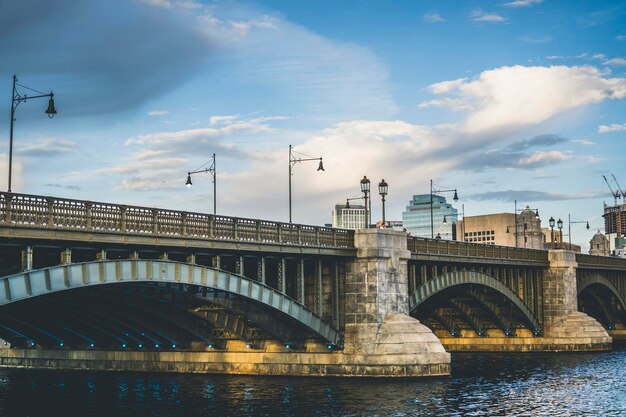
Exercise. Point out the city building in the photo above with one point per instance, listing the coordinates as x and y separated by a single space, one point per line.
614 223
506 229
599 245
416 218
349 216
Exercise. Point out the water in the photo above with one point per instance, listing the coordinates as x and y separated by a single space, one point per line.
591 384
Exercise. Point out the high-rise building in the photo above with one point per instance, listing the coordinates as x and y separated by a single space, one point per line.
614 223
416 218
505 229
349 217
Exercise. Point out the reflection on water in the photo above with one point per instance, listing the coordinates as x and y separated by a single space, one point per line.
481 385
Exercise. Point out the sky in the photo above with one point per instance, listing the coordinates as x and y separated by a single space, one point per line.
511 100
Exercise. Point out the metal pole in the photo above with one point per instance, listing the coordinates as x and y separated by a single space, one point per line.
214 187
383 210
11 132
366 211
515 223
290 183
463 208
431 211
569 233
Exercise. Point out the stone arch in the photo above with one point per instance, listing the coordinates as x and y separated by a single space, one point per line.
455 278
600 280
36 283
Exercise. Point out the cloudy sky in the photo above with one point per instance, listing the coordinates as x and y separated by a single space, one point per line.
504 100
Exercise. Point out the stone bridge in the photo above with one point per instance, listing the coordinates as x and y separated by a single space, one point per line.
106 286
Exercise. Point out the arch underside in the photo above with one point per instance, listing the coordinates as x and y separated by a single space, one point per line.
598 298
123 309
469 301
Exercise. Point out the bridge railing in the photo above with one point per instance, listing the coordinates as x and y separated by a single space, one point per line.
420 245
594 261
34 211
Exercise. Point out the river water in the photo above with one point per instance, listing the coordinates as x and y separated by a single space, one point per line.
590 384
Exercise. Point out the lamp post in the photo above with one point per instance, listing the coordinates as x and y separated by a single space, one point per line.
382 190
551 223
292 161
569 223
365 188
432 190
210 169
16 99
559 224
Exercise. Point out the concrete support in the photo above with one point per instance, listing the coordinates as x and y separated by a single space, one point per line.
379 332
66 257
261 270
191 259
101 255
300 281
282 287
27 258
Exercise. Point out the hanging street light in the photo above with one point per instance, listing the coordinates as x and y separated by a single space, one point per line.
16 99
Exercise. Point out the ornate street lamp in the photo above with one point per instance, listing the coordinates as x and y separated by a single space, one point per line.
551 223
212 171
559 224
383 187
292 161
365 188
17 98
442 190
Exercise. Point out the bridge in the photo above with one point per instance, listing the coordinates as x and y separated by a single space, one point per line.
108 286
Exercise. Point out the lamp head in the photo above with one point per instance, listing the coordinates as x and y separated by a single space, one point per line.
383 187
51 111
445 221
559 224
365 184
321 166
587 225
188 183
551 222
347 203
537 214
507 229
456 196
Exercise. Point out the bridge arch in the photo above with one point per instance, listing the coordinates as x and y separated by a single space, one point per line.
41 282
597 279
457 278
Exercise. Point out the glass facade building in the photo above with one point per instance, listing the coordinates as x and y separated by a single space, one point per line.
416 217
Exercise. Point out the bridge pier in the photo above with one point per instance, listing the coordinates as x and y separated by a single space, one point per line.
566 328
380 337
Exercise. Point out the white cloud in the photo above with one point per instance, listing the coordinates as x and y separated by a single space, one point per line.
612 128
433 18
446 102
545 157
522 3
48 147
446 86
216 120
621 37
615 61
156 113
484 17
511 97
585 142
195 135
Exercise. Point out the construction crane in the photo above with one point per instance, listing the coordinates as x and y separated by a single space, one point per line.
615 194
619 187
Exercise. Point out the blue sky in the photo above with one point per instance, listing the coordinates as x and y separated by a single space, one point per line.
504 100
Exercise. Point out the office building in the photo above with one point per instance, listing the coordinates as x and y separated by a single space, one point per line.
505 229
349 217
416 218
